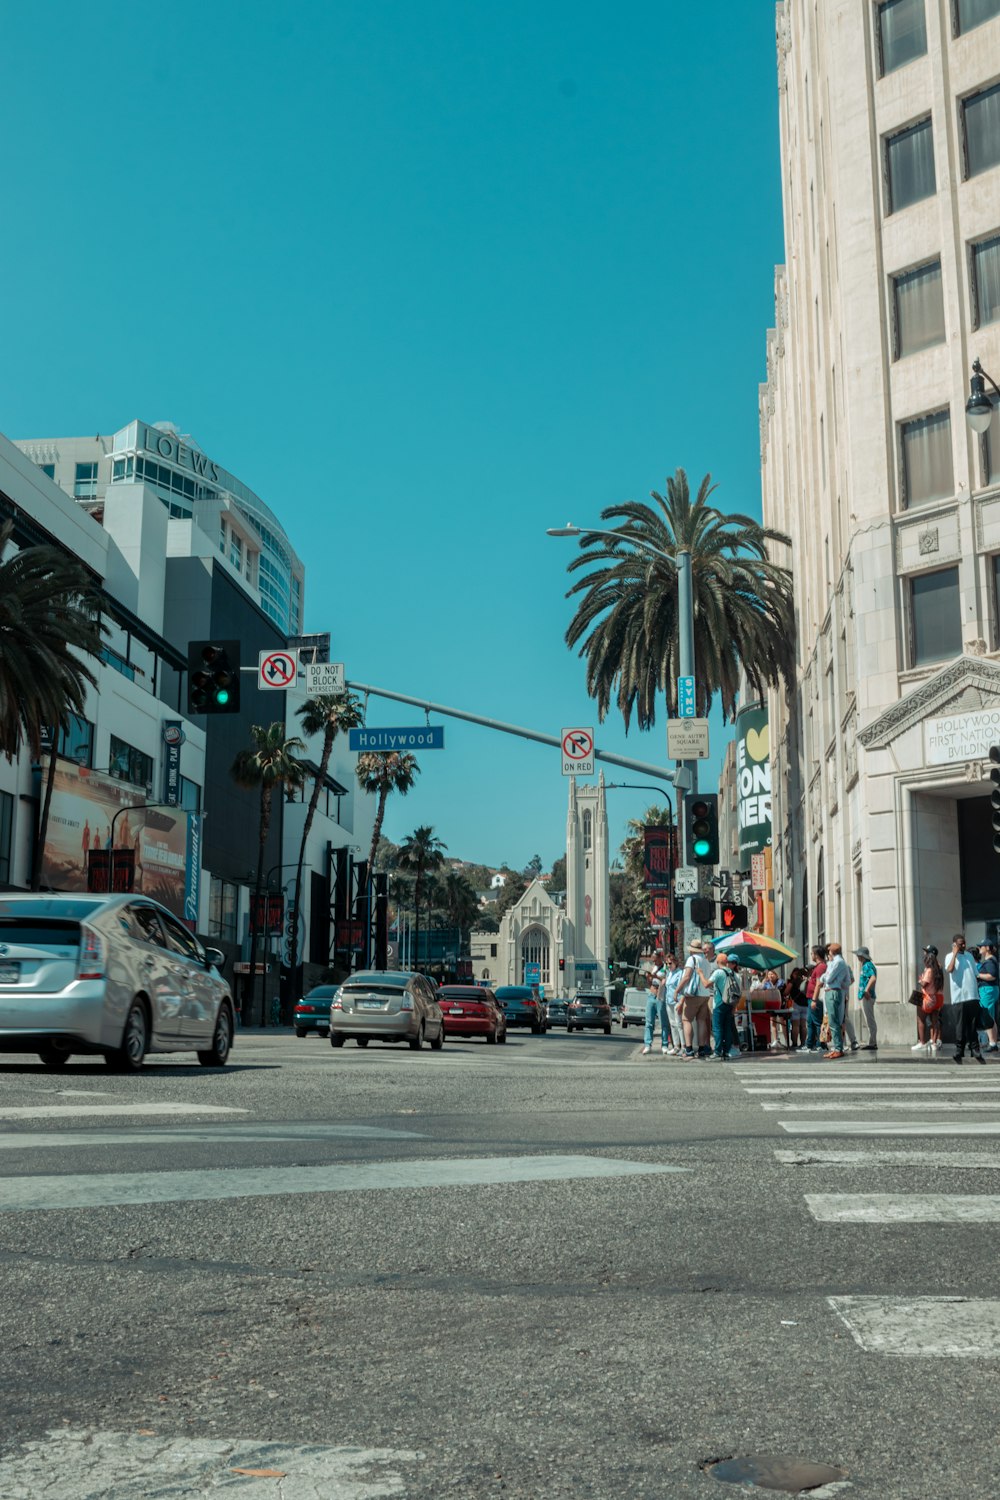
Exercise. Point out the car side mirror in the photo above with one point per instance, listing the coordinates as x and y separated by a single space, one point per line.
214 958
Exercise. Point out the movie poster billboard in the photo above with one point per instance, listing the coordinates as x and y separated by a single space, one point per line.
753 783
152 843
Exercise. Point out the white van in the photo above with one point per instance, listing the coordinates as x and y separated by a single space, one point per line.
633 1009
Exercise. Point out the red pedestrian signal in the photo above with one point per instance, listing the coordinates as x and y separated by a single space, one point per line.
562 965
732 917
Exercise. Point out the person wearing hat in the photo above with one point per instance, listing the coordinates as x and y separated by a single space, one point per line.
693 992
931 983
866 996
725 993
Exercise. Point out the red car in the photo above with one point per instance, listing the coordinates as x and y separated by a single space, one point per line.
471 1011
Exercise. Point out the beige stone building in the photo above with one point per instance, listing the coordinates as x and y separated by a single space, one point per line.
890 158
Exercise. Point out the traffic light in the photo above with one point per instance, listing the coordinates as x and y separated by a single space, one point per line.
213 677
732 916
703 829
611 967
562 965
702 911
995 795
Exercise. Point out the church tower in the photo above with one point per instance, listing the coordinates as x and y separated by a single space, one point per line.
588 886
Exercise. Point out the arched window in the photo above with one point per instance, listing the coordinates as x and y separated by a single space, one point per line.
820 901
535 950
588 830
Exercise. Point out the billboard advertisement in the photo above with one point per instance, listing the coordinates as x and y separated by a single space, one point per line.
753 783
659 857
152 843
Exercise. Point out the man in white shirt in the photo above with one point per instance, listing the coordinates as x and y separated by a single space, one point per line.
963 993
836 982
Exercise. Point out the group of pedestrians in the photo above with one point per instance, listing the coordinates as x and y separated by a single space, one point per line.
973 992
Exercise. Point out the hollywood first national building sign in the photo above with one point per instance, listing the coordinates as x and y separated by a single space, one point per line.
753 781
961 737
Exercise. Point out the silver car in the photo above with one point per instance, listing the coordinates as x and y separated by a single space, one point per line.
117 975
389 1006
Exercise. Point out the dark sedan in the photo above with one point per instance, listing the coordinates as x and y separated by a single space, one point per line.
471 1011
312 1013
521 1006
590 1011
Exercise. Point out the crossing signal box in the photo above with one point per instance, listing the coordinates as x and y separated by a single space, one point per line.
703 829
562 966
995 795
702 911
732 916
213 677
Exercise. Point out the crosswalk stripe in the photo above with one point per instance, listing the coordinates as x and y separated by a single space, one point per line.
103 1190
890 1127
956 1161
826 1090
904 1208
105 1111
230 1135
921 1104
922 1327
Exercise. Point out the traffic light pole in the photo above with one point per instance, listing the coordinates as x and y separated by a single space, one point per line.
685 657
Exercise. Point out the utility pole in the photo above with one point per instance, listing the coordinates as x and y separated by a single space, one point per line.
685 654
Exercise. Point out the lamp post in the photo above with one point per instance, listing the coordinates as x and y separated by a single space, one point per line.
134 807
979 407
292 865
632 786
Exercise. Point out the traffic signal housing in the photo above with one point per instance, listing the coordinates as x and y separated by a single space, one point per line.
703 829
702 911
213 677
732 916
995 795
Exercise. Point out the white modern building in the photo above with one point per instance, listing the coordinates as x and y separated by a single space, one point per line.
890 160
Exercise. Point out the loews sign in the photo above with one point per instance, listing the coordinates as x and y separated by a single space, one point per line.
167 445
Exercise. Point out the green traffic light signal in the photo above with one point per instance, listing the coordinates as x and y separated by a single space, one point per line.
703 829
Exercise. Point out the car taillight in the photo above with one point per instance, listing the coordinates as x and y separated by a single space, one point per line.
336 1003
406 1003
531 1004
91 963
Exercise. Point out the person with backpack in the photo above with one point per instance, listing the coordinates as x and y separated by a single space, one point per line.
725 994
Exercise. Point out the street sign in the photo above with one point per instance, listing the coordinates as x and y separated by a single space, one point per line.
685 698
686 881
276 670
424 737
687 739
758 872
324 677
577 752
532 973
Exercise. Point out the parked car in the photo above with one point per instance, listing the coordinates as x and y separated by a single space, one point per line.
555 1012
117 975
391 1005
471 1011
312 1013
521 1006
633 1009
591 1010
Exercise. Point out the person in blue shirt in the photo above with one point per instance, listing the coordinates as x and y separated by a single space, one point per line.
725 993
866 997
989 990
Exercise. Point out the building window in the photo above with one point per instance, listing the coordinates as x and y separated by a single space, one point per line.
918 303
6 822
222 536
190 795
927 470
223 905
902 33
936 617
85 484
820 902
972 13
996 598
130 764
909 166
986 282
49 470
981 130
588 830
77 742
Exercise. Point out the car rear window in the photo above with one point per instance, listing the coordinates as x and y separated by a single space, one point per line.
39 933
321 992
43 907
377 980
379 988
513 993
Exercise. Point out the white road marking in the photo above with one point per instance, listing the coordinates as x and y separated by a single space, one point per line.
105 1111
883 1088
87 1464
890 1127
102 1190
921 1104
904 1208
960 1161
209 1135
922 1327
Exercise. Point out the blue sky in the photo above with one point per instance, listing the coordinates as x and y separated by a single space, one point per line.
429 278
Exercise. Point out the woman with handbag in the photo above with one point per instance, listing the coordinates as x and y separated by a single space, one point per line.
928 999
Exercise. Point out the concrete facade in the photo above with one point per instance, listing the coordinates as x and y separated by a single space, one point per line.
892 503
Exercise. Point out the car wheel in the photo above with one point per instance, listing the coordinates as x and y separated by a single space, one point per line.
607 1031
336 1040
130 1055
416 1042
535 1029
323 1030
438 1041
491 1038
300 1031
502 1037
53 1056
217 1055
624 1024
362 1041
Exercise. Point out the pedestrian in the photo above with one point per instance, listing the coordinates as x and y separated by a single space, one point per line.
725 993
931 985
669 985
693 993
988 976
794 994
836 982
866 996
656 1009
963 993
770 984
814 1000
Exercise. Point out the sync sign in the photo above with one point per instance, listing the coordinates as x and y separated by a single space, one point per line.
425 737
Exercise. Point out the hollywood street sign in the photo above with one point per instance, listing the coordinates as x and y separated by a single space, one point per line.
424 737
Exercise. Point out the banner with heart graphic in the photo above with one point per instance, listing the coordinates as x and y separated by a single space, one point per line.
753 782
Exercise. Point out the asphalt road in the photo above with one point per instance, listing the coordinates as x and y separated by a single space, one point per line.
551 1269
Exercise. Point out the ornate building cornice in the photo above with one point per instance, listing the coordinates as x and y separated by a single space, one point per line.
963 673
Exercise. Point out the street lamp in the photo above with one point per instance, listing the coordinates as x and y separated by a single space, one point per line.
979 407
633 786
134 807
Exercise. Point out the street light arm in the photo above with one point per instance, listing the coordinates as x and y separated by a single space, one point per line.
977 369
623 536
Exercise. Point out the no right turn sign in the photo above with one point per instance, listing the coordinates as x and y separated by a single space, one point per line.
577 752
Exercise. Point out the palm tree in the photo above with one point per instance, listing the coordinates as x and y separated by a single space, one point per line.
48 620
328 714
627 618
459 901
269 761
382 772
422 852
